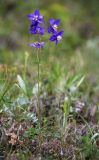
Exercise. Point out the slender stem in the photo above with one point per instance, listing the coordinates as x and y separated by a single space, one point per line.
25 64
38 80
38 96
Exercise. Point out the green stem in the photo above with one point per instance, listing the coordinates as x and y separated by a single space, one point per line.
38 80
25 64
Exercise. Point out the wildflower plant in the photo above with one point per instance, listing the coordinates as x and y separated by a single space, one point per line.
37 26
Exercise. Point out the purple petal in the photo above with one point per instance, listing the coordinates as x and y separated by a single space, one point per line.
36 12
34 23
53 38
40 21
32 44
57 21
30 16
50 30
51 21
42 44
33 30
61 33
37 44
41 30
41 17
55 33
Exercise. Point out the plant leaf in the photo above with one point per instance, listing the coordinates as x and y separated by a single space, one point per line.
21 84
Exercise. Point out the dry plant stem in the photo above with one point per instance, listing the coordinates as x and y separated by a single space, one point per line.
90 130
38 94
9 154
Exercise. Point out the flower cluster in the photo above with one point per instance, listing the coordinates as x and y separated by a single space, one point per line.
37 28
36 21
56 36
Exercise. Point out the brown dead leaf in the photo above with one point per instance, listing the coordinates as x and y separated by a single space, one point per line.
93 111
13 141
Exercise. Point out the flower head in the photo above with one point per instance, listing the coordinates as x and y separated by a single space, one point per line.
37 44
37 29
35 17
53 25
57 36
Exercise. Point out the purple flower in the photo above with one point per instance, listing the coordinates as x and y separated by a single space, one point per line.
57 36
36 18
37 29
37 44
53 25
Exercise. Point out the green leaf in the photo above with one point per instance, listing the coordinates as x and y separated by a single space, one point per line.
21 84
80 81
65 107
